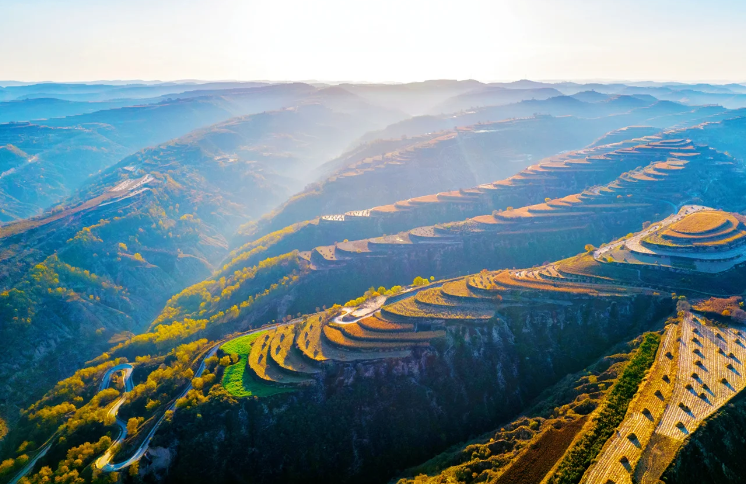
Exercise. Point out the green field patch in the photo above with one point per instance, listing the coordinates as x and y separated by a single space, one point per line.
241 346
242 383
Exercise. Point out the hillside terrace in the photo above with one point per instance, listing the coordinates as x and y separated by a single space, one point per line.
392 327
696 238
644 192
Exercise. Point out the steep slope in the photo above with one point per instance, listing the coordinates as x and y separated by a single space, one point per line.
525 450
76 278
713 453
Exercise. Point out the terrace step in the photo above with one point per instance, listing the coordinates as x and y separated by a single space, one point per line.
357 332
335 336
409 310
375 323
286 355
262 365
316 347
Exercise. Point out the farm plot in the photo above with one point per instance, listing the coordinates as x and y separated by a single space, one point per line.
262 365
375 323
285 353
709 373
236 379
697 371
624 449
410 308
357 332
316 346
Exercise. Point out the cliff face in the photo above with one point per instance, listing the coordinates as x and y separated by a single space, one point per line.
363 422
714 454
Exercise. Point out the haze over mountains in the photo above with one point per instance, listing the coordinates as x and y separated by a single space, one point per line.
174 257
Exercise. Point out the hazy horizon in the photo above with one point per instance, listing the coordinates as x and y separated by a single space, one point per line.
372 41
361 81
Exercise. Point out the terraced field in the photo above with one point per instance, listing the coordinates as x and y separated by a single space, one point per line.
698 370
624 449
672 169
286 354
291 355
265 367
709 228
374 323
477 298
295 354
697 238
238 378
412 310
355 331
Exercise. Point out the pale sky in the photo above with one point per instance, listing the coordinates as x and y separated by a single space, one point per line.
364 40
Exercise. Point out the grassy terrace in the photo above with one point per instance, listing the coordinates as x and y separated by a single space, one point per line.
459 289
533 282
433 297
484 281
238 381
703 222
287 356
